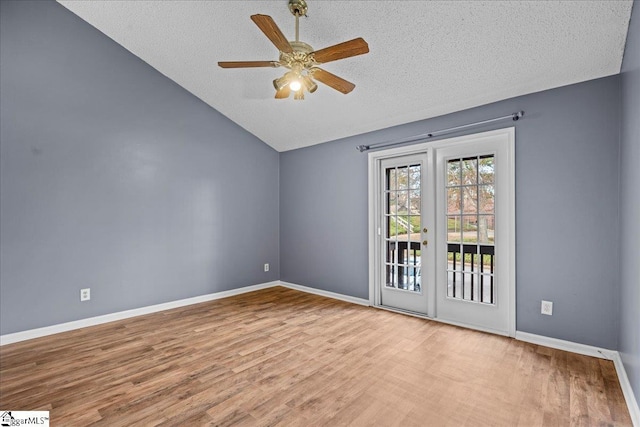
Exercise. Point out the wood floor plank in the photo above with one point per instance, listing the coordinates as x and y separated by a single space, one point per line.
615 398
287 358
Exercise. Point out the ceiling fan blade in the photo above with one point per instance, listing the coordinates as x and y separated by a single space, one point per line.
248 64
283 93
341 50
271 30
332 80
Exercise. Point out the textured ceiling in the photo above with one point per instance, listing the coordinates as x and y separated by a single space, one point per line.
427 58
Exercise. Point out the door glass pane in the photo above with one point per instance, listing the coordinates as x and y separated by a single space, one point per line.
392 226
454 228
486 288
415 278
454 285
414 176
403 202
403 177
391 207
453 172
486 198
414 223
470 199
390 275
486 169
486 229
391 244
403 221
486 267
470 228
453 200
470 171
415 202
470 232
470 286
392 183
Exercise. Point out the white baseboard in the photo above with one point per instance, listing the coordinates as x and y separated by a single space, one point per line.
112 317
92 321
601 353
573 347
625 384
341 297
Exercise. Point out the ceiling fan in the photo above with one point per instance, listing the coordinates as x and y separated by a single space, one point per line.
300 58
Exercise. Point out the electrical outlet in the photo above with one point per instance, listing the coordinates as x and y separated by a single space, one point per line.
266 267
546 308
85 294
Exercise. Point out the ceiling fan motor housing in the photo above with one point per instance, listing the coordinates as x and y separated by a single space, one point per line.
301 47
301 59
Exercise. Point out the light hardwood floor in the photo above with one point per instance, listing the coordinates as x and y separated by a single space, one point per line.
282 357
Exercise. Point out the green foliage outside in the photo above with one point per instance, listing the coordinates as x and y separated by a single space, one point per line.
486 259
453 225
414 222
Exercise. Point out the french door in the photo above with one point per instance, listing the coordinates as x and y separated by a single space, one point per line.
404 232
443 230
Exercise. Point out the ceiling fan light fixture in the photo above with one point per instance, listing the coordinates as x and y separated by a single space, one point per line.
281 82
299 95
309 84
295 85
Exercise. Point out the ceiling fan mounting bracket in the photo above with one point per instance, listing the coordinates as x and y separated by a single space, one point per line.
298 7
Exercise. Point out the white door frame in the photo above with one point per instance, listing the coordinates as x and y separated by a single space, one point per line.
374 159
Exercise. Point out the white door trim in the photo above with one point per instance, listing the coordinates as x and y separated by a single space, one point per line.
373 177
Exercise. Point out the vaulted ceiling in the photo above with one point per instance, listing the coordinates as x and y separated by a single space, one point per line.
427 58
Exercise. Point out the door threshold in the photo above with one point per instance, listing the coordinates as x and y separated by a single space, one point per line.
401 311
448 322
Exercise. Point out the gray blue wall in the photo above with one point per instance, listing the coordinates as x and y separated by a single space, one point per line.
324 219
113 177
629 332
567 154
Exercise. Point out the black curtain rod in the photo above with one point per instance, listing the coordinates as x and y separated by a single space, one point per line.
513 116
